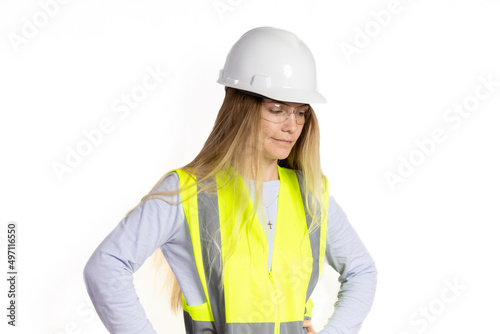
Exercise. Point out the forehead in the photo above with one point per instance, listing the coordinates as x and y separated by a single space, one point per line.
291 104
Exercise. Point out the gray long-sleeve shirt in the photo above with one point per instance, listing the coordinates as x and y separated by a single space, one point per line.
156 223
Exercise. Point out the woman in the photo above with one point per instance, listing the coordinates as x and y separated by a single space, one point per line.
246 226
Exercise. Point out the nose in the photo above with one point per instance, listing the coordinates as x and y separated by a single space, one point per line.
290 124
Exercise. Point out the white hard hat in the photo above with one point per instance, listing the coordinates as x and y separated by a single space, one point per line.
273 63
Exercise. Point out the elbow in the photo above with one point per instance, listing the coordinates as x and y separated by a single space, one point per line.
371 275
90 272
94 277
87 271
366 272
371 272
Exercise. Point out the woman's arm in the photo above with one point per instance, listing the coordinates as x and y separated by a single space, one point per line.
108 272
358 275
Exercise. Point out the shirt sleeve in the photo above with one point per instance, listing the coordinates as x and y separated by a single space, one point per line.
108 272
358 274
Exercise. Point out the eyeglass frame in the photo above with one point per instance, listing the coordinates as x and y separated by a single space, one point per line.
280 103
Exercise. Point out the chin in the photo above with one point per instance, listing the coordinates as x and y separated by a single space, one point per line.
281 156
279 153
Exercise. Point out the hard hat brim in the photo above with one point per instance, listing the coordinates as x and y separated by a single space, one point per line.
281 94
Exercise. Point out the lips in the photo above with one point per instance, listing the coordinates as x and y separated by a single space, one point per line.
283 141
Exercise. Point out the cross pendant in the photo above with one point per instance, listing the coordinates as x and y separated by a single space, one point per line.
270 225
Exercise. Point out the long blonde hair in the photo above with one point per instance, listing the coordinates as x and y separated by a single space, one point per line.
234 143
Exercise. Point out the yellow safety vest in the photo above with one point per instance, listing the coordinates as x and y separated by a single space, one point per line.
251 298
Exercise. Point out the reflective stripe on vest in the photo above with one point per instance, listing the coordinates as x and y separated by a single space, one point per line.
252 300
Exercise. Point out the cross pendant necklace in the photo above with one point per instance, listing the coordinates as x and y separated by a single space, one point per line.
267 208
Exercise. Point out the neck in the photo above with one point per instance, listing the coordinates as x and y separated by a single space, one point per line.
270 171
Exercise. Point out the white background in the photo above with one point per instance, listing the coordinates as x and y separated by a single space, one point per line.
437 226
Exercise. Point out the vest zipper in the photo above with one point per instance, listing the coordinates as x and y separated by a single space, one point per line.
276 298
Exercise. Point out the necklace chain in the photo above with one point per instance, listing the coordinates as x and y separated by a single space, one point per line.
271 202
267 209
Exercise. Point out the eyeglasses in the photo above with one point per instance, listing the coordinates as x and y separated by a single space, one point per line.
278 112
